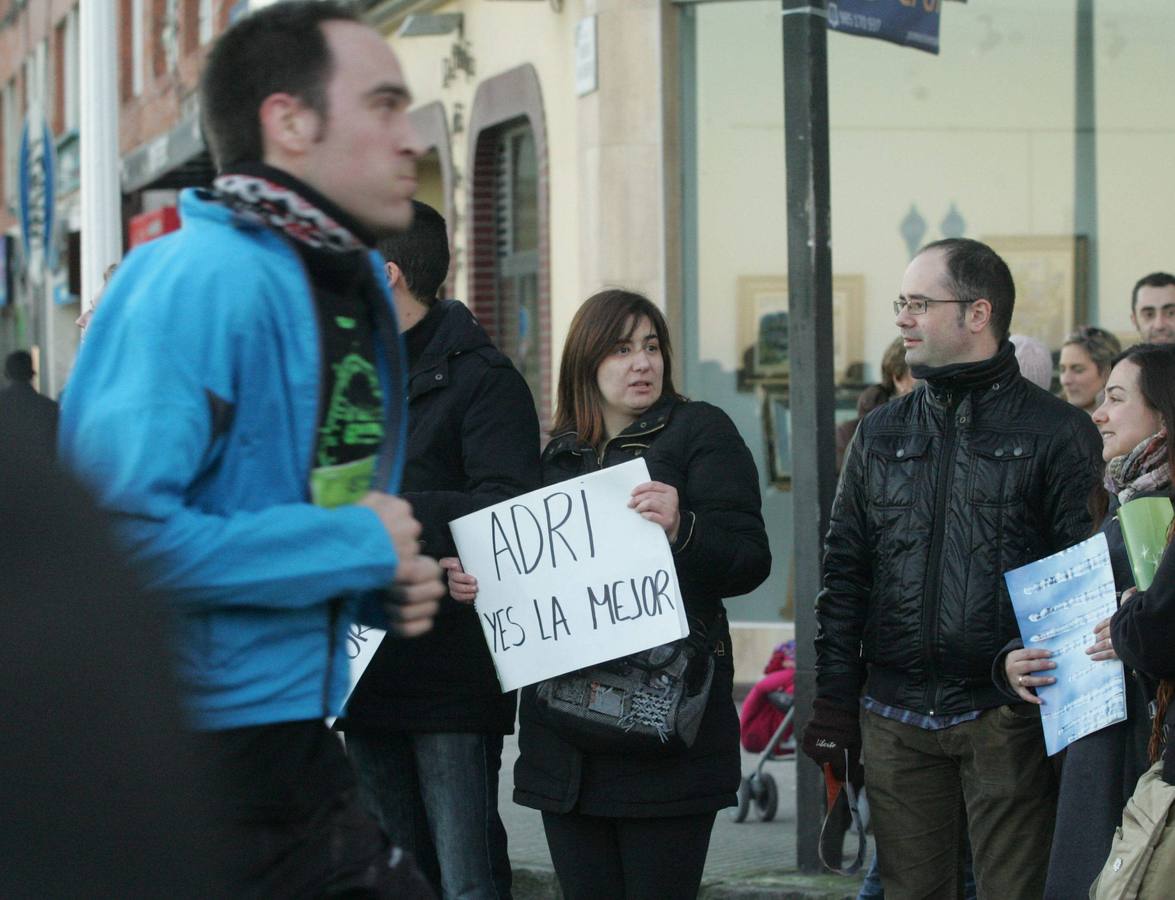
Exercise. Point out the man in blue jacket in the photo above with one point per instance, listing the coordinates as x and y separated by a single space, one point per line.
238 407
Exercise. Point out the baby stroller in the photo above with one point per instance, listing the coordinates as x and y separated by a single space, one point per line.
766 727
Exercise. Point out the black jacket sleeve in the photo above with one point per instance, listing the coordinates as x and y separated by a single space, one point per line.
721 545
500 456
1143 628
848 583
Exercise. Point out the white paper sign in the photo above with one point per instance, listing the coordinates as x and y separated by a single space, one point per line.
569 576
1058 601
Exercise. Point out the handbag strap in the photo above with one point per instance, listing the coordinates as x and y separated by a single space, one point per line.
833 786
698 641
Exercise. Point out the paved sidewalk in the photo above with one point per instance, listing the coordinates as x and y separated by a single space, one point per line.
753 860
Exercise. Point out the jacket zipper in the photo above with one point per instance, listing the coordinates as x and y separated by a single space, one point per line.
624 434
943 484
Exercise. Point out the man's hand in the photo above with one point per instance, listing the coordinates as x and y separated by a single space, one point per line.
396 517
415 596
1021 668
832 731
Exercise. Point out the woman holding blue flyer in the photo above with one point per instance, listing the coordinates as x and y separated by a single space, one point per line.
1100 770
611 814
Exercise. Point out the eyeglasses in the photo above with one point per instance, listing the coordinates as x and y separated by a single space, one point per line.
916 306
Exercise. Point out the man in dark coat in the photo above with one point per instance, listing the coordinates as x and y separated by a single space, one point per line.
25 415
943 491
425 723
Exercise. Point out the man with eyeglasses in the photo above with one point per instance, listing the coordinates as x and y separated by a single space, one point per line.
1152 308
942 492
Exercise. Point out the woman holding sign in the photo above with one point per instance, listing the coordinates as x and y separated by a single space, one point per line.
1100 770
624 824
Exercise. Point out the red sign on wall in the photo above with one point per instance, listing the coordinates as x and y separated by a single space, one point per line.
150 225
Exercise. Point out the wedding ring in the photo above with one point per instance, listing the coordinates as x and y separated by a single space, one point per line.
1020 680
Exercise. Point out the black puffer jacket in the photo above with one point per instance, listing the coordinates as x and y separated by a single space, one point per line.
943 491
473 440
1143 634
721 551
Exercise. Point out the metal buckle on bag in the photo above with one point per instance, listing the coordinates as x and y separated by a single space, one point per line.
720 648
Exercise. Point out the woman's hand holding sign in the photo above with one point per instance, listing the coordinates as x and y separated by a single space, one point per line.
658 503
462 585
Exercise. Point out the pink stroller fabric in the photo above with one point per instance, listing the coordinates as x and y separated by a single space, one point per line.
759 717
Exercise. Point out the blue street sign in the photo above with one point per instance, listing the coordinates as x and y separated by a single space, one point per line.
911 23
37 194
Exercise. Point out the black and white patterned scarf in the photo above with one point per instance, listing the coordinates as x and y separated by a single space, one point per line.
269 197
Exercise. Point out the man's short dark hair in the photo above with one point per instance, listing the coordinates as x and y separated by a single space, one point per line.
1154 279
18 366
975 271
280 49
421 252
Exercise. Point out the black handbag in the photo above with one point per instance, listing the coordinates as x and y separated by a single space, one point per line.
650 702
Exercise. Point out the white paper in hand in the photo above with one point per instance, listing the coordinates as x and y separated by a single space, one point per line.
569 576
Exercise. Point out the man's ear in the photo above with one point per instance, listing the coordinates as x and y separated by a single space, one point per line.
394 274
979 315
1134 320
288 126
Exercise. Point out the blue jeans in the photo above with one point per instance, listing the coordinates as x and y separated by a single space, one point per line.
871 888
437 796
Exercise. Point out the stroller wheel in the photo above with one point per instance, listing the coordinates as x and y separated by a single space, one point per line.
767 797
739 813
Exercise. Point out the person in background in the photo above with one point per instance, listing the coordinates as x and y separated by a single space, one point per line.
896 381
424 725
83 321
627 825
26 415
1036 363
1152 308
1086 358
1100 770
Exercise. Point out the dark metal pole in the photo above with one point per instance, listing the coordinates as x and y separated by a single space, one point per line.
1085 199
812 398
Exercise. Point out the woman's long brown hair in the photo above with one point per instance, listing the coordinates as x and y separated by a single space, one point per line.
602 321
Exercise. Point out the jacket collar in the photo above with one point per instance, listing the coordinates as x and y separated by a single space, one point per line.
655 417
457 332
948 385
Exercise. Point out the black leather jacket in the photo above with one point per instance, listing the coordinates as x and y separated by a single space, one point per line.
943 491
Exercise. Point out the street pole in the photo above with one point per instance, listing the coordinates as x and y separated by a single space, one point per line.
101 198
812 396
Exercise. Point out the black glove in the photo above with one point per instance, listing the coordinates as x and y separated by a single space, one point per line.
833 730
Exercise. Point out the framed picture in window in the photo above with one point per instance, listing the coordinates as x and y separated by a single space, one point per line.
1051 273
763 327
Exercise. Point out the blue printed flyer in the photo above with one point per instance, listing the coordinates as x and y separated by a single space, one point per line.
1058 600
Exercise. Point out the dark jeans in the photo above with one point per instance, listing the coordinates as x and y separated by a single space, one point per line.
288 822
597 857
437 796
989 777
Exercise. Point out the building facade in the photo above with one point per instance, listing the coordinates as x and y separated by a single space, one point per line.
580 144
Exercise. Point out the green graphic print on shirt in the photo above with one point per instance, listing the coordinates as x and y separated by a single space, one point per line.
352 426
